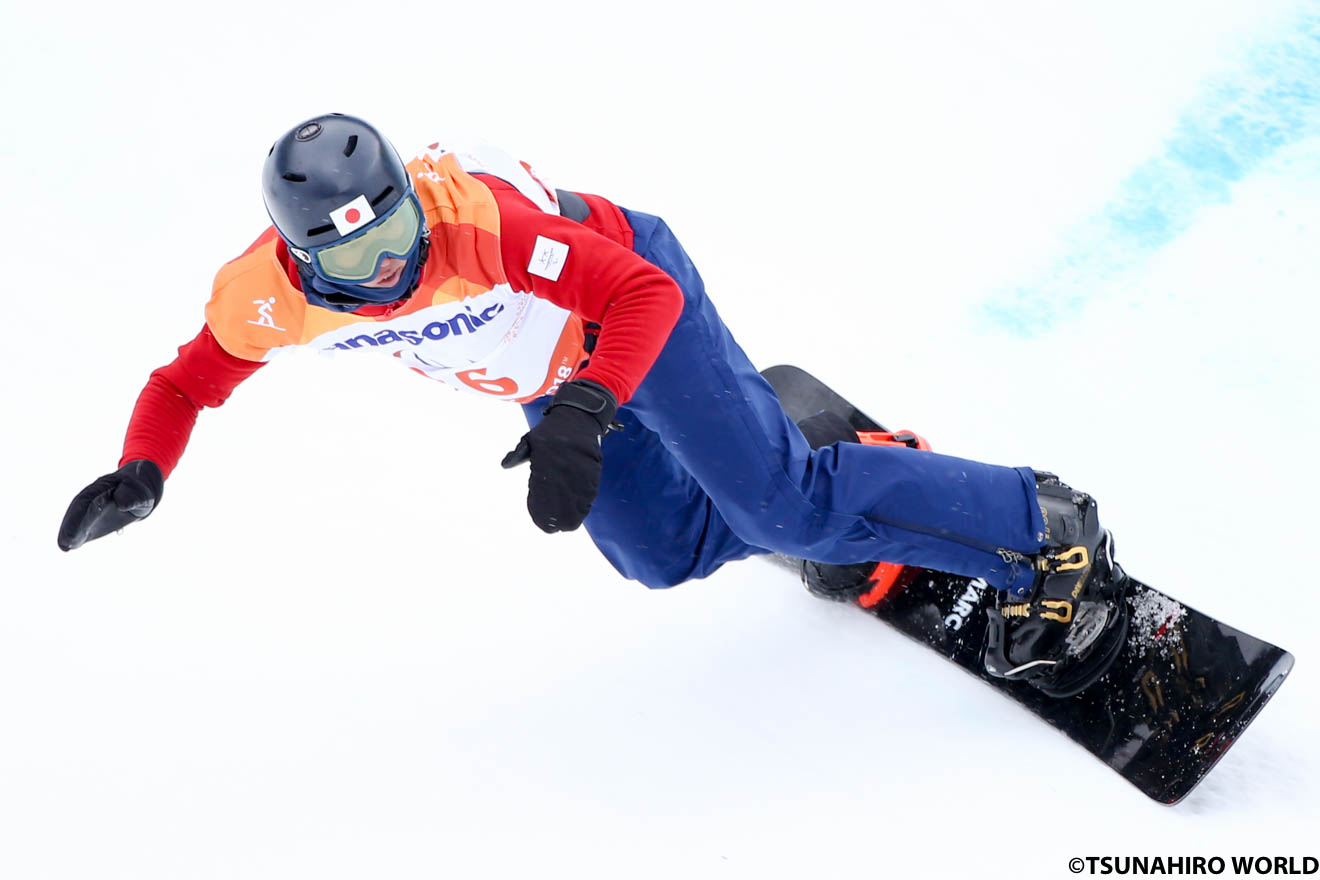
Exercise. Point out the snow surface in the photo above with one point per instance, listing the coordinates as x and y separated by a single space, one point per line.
1077 236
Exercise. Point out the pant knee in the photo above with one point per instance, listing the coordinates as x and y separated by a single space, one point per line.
652 573
656 579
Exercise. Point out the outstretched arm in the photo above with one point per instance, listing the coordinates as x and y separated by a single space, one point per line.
202 375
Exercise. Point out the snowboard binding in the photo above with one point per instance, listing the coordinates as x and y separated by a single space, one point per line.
1065 633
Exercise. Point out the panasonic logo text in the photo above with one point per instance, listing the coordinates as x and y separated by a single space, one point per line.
461 324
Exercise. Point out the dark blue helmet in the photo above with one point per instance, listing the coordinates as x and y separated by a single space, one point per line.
321 165
341 198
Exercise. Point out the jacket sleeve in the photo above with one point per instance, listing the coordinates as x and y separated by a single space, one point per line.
602 281
202 375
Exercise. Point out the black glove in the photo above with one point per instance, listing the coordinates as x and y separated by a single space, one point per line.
112 502
564 449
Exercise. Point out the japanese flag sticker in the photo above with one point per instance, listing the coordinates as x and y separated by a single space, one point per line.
548 258
354 215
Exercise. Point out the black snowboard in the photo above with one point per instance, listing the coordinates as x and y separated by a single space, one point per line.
1182 691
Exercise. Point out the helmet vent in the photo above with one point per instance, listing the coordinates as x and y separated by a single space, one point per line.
315 231
380 198
295 177
351 145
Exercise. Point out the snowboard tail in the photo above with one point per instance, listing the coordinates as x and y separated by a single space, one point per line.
1181 691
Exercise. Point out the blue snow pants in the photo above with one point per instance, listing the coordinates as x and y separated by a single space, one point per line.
708 469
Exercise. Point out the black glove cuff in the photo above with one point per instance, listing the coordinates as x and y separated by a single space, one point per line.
148 473
593 399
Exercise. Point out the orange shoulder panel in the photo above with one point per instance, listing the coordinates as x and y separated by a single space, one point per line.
254 308
464 220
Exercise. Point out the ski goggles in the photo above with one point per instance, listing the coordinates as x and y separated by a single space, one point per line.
357 259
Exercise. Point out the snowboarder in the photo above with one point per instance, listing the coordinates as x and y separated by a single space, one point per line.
648 424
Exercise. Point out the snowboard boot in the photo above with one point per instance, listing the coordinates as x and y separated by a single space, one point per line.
1063 632
838 583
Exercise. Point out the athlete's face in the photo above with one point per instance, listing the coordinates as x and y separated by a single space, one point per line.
388 274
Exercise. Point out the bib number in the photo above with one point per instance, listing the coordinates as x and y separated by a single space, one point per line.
477 381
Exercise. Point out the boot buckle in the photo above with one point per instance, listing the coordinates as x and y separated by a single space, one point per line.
1072 559
1059 605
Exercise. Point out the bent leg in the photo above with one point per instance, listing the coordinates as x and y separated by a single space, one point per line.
721 422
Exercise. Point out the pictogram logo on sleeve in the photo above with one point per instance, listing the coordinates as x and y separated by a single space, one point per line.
548 258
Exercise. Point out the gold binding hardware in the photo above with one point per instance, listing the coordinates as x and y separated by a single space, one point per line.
1059 605
1072 559
1022 610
